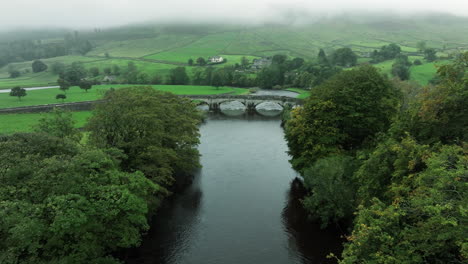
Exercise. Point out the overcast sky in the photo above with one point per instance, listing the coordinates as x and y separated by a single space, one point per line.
102 13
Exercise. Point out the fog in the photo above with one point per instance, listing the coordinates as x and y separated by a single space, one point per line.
105 13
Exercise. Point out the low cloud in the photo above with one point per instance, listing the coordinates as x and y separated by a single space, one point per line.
105 13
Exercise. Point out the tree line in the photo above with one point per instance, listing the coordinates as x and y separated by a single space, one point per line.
66 199
27 50
388 160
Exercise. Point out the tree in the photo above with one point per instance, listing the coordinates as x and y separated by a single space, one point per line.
244 62
430 54
59 124
57 67
107 71
159 137
178 76
14 73
61 96
417 62
107 55
201 61
344 57
332 190
74 73
64 85
115 70
347 110
94 71
400 68
322 57
421 45
85 85
39 66
278 59
68 193
269 77
190 62
18 92
216 80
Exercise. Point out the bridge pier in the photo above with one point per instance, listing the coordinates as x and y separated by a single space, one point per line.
214 107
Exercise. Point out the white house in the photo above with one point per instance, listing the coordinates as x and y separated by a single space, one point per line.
216 59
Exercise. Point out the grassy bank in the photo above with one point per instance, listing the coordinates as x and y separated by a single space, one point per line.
302 93
75 94
12 123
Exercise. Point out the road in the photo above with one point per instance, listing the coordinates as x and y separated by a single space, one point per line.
31 88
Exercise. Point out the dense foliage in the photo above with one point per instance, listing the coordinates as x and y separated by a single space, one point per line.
403 180
65 202
157 132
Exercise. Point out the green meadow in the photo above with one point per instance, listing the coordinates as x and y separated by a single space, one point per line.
75 94
12 123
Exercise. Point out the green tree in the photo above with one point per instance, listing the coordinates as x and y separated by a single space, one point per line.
201 61
190 62
85 85
216 80
64 85
344 57
18 92
332 190
322 57
59 124
421 45
61 97
244 62
178 76
14 73
39 66
159 137
94 71
71 204
57 67
430 54
347 111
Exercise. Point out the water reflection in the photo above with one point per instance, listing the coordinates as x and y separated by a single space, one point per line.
306 239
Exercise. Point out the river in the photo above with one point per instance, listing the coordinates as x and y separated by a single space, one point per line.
243 206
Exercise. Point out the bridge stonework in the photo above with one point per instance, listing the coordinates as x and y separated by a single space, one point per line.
213 101
250 101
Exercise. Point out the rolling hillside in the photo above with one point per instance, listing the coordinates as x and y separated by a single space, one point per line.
155 49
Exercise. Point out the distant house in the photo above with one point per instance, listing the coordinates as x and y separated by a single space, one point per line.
258 64
109 78
216 59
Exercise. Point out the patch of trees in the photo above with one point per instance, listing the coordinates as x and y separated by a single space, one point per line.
386 52
65 202
38 66
26 50
401 67
389 161
344 57
296 72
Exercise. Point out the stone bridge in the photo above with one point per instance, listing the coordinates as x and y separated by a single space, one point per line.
249 101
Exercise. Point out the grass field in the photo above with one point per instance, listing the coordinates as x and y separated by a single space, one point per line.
11 123
75 94
302 93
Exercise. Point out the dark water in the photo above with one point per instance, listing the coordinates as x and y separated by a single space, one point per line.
243 206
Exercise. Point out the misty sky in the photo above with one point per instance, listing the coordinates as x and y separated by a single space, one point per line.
102 13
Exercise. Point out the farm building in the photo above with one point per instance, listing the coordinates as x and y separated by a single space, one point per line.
108 78
216 59
261 63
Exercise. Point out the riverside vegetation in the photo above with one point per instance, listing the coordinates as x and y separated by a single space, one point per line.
63 201
388 160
